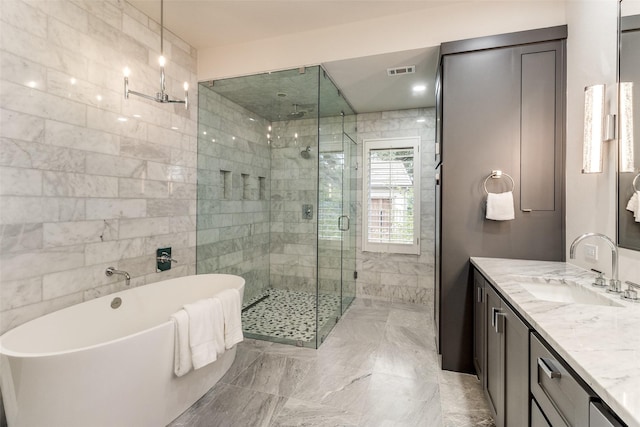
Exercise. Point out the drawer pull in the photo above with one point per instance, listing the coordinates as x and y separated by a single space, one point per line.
494 311
548 371
499 324
479 294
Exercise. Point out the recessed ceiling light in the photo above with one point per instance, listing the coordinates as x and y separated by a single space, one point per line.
421 120
122 119
137 116
32 84
174 127
73 80
419 88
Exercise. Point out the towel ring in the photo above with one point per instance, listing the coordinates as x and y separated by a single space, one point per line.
499 174
635 183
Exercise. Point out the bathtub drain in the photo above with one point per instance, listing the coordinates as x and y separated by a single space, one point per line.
116 303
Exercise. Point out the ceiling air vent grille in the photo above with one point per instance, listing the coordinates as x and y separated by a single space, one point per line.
406 69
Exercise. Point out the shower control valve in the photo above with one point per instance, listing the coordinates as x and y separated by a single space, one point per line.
163 259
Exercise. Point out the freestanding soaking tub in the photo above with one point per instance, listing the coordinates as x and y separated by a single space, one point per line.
94 365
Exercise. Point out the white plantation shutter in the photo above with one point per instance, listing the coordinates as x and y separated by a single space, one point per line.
391 206
330 195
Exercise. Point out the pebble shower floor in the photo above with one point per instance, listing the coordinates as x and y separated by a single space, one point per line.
289 315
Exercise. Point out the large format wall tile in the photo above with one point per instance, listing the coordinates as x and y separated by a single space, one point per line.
87 178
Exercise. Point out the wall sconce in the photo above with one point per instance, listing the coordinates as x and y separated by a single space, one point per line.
593 127
627 162
159 96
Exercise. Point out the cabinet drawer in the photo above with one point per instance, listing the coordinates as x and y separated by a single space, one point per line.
562 398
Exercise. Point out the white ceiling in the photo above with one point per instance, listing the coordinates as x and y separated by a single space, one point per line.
364 82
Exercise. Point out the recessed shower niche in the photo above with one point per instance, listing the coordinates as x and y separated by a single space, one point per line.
294 134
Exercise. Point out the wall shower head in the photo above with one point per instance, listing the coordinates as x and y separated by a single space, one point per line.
296 114
306 153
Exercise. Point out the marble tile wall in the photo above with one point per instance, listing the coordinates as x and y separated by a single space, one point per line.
88 179
293 183
233 222
397 277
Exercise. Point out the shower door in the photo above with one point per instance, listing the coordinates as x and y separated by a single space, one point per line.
348 233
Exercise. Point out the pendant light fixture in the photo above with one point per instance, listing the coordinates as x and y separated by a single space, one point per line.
160 96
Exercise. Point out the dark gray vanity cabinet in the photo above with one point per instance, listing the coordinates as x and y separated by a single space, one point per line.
507 363
500 107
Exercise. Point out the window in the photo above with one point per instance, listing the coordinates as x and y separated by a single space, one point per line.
391 205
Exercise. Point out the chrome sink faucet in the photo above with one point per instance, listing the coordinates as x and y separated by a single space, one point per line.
614 283
111 271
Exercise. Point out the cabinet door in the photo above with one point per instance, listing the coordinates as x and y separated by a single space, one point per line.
516 368
506 362
494 375
537 419
479 325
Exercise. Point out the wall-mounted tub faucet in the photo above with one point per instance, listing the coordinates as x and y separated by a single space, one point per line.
111 271
614 283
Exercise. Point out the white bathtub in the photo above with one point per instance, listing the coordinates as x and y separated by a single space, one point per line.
92 365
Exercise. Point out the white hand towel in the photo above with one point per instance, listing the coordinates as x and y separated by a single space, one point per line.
182 352
230 300
206 331
634 205
500 206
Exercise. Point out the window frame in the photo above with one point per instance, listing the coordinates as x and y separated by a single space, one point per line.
382 144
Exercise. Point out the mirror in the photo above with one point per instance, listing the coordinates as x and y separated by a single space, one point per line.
629 126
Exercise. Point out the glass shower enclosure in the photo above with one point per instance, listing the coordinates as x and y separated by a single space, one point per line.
277 199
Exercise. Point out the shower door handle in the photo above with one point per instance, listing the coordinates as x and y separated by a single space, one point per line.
341 223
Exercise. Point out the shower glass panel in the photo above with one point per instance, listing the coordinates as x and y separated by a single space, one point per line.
271 191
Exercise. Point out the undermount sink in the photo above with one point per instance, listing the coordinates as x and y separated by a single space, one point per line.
560 290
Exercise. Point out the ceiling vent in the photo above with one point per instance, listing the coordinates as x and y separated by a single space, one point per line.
406 69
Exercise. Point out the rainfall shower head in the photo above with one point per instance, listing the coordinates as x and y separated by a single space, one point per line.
306 153
296 114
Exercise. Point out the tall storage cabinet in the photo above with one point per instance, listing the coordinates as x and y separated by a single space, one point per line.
500 107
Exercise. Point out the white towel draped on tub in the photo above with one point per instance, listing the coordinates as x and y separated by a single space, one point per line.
634 205
500 206
230 300
181 352
206 331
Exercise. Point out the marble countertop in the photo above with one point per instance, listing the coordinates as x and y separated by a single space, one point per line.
600 343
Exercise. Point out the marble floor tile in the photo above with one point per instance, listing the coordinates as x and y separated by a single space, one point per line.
401 401
468 420
376 368
277 349
245 356
274 374
406 336
407 361
335 385
359 330
229 406
301 413
462 394
345 352
371 313
411 319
